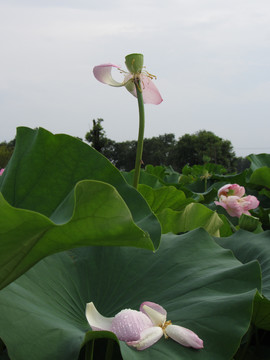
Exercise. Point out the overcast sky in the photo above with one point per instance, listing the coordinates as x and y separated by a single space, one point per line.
211 59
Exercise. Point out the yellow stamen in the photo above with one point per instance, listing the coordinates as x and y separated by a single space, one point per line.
163 327
136 78
151 76
122 71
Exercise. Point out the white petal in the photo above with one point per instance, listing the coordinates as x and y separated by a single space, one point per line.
148 337
184 336
103 73
129 84
96 320
155 312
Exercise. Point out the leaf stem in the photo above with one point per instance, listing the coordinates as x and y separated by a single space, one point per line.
89 350
139 152
109 349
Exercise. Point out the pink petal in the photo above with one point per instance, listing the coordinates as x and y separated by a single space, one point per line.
128 324
231 189
238 190
150 92
148 337
155 312
223 200
236 206
184 336
96 320
224 190
251 202
103 73
231 204
1 171
247 203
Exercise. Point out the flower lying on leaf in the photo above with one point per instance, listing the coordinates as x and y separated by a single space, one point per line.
232 199
136 75
141 329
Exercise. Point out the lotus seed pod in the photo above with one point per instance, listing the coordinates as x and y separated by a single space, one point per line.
134 63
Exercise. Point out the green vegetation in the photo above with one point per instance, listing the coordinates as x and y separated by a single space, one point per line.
196 149
74 230
6 150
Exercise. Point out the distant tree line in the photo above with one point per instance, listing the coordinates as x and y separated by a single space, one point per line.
195 149
6 150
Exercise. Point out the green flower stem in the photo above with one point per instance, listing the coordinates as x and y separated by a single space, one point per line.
139 152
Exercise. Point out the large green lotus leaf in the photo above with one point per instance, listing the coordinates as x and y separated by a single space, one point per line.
250 223
265 192
261 312
261 177
45 168
155 176
239 178
164 174
258 161
171 176
145 178
197 186
94 214
165 197
246 247
193 216
158 171
226 229
201 285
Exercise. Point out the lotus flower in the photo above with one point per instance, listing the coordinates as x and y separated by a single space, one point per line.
1 171
136 74
232 200
141 329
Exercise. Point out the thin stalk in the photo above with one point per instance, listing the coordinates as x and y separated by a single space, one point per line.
139 152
